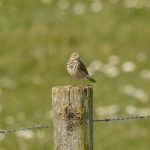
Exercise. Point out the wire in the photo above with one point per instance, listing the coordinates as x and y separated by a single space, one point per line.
39 126
28 128
122 118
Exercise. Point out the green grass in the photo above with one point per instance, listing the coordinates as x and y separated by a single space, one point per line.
36 40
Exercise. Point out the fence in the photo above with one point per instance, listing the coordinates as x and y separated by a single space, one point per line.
45 126
73 118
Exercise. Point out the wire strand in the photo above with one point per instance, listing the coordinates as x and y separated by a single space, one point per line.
40 126
122 118
28 128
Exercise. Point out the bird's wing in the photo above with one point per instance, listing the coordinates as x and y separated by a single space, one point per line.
82 68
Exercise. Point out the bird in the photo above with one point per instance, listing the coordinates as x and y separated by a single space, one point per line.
76 67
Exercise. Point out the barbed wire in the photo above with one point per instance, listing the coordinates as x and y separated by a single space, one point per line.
36 126
40 126
122 118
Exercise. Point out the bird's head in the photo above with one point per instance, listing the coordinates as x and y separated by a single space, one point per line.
75 56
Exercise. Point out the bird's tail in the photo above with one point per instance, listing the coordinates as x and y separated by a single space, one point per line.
90 79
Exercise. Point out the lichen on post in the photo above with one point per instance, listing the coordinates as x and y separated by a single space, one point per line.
72 117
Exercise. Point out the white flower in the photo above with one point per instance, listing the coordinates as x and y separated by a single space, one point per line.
141 95
91 71
10 120
63 4
145 74
2 137
130 109
8 83
28 134
144 111
95 65
131 3
113 60
127 89
79 9
107 110
96 6
128 66
130 90
40 134
110 71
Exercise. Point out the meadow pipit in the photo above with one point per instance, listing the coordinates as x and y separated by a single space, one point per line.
76 68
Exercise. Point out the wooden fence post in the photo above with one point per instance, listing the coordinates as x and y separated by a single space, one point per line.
73 117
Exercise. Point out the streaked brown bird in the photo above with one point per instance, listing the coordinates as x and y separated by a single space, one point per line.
76 68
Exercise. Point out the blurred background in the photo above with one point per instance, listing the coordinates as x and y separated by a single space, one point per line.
36 39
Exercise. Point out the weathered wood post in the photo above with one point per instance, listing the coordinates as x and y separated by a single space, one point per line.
73 117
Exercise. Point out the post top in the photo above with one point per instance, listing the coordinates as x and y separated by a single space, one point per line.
72 86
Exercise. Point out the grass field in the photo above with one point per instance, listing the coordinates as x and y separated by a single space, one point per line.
36 39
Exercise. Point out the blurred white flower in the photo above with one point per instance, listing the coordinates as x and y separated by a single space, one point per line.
130 90
8 83
21 116
141 56
110 71
144 111
94 66
113 109
2 137
63 4
46 1
96 6
130 109
145 74
107 110
131 3
141 95
91 71
10 120
28 134
113 60
40 134
79 9
127 89
128 66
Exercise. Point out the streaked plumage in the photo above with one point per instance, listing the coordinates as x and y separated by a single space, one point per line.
75 67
